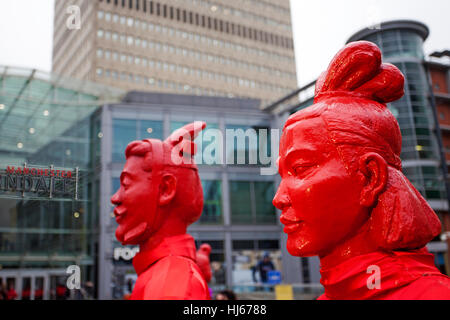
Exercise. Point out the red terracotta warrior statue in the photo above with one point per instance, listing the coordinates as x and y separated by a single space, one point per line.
203 261
343 195
160 195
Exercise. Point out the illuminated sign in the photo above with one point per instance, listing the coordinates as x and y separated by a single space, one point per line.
42 181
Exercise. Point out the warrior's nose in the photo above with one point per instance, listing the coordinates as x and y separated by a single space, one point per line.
116 199
281 199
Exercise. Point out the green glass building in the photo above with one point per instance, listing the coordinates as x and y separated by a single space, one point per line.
401 43
49 156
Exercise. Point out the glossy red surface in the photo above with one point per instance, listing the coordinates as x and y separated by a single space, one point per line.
160 195
343 195
203 261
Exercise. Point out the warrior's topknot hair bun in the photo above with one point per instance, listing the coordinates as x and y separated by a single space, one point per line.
357 70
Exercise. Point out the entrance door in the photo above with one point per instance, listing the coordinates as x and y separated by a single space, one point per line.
30 284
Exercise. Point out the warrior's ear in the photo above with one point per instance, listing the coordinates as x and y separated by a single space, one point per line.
375 172
185 136
167 189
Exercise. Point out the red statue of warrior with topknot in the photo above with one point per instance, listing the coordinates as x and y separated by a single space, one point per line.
343 195
160 195
203 262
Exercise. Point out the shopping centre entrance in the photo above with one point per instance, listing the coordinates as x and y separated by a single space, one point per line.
35 284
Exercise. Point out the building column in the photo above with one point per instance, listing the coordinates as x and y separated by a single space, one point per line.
46 286
229 259
291 267
105 241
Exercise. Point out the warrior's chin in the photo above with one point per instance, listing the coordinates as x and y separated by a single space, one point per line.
133 236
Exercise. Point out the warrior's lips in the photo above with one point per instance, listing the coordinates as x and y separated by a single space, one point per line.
290 226
119 214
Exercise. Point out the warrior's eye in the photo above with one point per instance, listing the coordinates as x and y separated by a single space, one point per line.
126 183
300 169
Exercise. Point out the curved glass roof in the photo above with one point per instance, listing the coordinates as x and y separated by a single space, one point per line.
37 108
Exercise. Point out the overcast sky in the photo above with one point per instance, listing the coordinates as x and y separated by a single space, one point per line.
321 28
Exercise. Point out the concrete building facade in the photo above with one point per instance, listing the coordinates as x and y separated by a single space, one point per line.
438 68
227 48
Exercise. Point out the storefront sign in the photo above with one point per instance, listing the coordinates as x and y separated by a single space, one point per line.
42 181
125 253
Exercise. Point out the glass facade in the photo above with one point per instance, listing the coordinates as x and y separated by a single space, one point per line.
247 145
49 153
251 202
128 130
398 43
404 48
212 202
217 259
246 256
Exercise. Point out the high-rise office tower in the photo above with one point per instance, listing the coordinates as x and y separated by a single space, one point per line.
240 48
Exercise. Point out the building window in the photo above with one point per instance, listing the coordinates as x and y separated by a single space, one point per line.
128 130
247 254
251 202
150 129
217 258
212 202
243 143
130 22
124 131
115 185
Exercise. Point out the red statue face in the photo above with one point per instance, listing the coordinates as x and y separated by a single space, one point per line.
135 209
160 190
313 178
342 190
